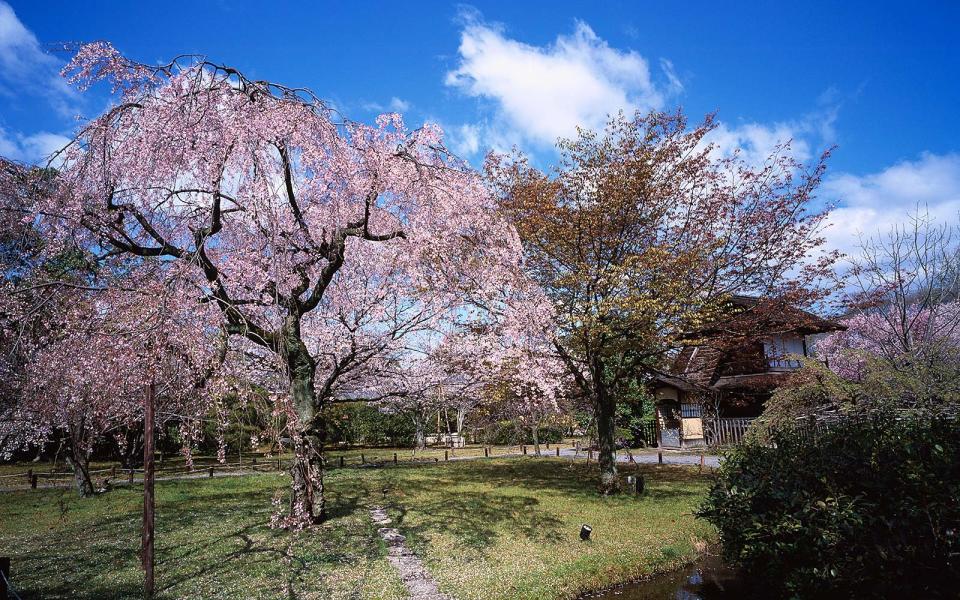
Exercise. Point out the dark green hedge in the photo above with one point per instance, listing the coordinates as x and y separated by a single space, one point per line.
867 509
508 433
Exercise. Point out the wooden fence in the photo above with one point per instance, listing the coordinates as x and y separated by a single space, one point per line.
645 434
725 432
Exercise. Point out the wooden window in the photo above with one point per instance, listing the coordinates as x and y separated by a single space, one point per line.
779 350
688 410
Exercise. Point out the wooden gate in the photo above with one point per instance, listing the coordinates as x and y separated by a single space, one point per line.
725 432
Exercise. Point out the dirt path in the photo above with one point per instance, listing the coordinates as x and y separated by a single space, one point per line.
418 581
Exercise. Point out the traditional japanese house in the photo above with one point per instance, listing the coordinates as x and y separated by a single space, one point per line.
716 386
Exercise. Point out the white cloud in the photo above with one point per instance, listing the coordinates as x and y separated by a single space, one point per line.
20 52
755 142
34 149
541 93
26 69
465 139
872 204
399 105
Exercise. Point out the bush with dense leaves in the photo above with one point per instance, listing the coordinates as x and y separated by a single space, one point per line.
362 424
507 433
869 508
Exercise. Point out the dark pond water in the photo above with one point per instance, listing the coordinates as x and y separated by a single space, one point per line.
708 579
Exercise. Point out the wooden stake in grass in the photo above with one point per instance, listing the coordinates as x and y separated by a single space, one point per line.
146 552
341 461
701 463
486 452
660 458
4 575
394 458
446 455
363 459
211 471
558 450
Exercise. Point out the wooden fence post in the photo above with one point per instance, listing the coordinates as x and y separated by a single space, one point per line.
130 475
394 458
486 452
659 458
524 448
341 461
701 463
558 450
446 455
363 459
211 471
5 571
113 471
148 532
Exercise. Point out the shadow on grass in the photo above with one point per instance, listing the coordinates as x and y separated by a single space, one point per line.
471 501
214 534
478 518
207 538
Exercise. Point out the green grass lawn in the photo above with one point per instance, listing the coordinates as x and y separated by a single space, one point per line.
510 528
504 528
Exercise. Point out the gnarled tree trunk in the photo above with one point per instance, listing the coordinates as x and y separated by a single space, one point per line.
79 461
307 502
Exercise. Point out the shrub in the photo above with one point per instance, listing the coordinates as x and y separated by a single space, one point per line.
359 423
506 433
865 509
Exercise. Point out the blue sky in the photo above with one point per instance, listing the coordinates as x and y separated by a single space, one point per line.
878 80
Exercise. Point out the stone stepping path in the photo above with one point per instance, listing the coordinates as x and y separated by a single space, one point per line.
418 581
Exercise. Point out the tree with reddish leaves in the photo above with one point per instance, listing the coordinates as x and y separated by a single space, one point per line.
284 218
642 235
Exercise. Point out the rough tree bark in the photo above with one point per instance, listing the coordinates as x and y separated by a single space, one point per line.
79 461
81 472
604 406
307 497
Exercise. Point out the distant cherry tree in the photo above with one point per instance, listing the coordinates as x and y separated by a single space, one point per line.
904 314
